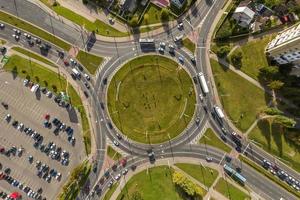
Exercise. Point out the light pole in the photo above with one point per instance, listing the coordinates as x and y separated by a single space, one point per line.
171 146
16 8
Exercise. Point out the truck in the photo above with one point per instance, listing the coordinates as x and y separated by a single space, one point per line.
203 83
219 112
76 73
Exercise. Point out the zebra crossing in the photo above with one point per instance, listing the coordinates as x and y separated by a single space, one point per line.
200 134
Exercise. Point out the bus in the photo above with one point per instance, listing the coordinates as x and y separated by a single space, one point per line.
146 41
234 174
203 83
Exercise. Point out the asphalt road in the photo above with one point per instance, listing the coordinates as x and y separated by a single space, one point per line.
120 52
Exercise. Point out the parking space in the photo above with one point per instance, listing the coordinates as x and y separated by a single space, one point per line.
38 156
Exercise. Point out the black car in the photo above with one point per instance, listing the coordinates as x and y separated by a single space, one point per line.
86 94
7 170
151 155
15 123
3 50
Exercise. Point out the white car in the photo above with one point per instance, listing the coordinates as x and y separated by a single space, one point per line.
160 49
124 172
2 26
58 176
7 117
25 82
208 159
49 94
201 97
118 177
20 126
162 45
180 26
18 32
116 143
16 37
87 77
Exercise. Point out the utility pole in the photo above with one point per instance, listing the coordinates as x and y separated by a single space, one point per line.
16 8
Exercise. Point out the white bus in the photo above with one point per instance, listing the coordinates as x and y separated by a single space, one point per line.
219 112
203 83
146 40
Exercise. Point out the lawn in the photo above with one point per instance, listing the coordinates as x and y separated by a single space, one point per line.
187 43
230 191
10 19
34 56
46 78
250 64
154 13
150 99
241 100
210 138
90 61
154 184
148 28
278 142
98 26
113 154
2 41
77 178
205 175
110 192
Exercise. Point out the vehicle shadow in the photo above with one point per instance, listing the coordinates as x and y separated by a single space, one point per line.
38 95
72 115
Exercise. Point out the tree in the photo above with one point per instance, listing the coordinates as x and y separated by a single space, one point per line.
272 3
236 58
186 185
164 14
275 85
223 51
273 111
269 72
285 121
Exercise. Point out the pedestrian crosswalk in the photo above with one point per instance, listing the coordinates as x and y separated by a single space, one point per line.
200 134
106 59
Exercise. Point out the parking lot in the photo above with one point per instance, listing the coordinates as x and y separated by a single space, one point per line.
36 155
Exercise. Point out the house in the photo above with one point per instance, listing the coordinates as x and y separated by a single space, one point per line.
178 3
243 15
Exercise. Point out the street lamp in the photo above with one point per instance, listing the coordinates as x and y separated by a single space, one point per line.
171 146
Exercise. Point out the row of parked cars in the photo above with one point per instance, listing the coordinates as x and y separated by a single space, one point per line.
281 174
62 127
21 186
44 171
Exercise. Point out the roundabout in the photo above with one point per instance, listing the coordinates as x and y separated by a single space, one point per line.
151 99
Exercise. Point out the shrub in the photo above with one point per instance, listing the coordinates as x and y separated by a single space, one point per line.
223 51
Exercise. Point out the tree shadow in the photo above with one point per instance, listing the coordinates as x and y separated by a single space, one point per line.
72 115
14 72
277 136
265 128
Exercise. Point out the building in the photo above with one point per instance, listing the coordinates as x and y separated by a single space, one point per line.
178 3
243 15
285 48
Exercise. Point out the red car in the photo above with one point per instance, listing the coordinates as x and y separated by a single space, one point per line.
47 116
2 149
66 63
123 162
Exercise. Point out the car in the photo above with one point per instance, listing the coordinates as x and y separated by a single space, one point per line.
7 170
180 26
7 118
110 184
118 176
181 59
3 50
197 120
66 63
37 40
124 171
223 137
20 127
162 45
18 32
118 136
87 77
30 43
160 49
58 176
116 143
25 82
151 155
47 116
209 159
2 26
86 85
224 130
123 162
86 94
17 38
178 38
193 59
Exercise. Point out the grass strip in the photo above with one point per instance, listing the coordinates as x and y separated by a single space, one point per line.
34 56
210 138
90 61
266 173
187 43
113 154
110 192
12 20
230 191
77 179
